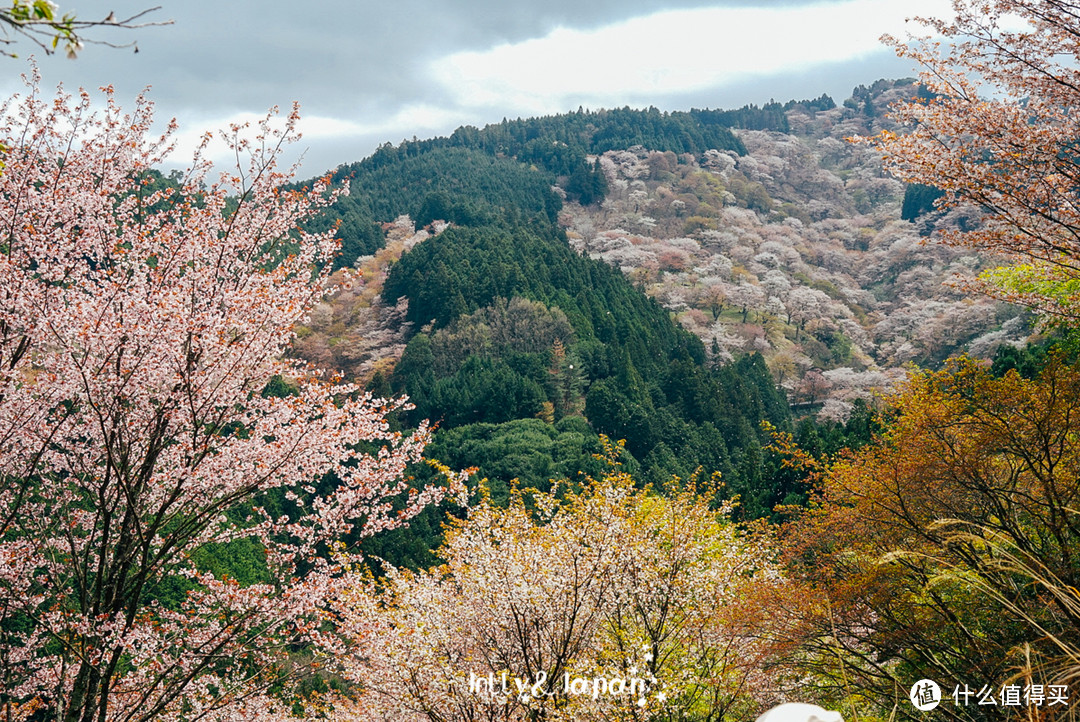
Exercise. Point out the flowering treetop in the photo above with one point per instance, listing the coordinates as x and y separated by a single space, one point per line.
998 130
139 328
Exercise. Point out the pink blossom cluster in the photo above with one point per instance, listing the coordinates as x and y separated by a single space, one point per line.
140 322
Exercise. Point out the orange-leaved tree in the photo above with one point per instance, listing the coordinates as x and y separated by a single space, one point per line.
950 549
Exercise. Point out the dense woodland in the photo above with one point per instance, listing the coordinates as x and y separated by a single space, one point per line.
507 317
512 330
506 324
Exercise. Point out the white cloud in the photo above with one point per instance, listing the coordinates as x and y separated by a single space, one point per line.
668 59
672 52
418 118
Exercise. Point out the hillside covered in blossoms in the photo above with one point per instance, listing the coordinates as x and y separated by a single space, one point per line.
614 415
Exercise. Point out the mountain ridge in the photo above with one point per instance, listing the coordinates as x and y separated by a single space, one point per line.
702 294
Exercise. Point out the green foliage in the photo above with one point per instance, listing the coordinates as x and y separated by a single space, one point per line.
619 357
463 185
475 173
558 141
503 329
279 387
1029 360
824 102
771 116
526 452
829 348
358 233
525 350
466 269
826 439
678 132
781 484
750 194
918 199
683 417
1054 284
693 418
587 184
410 547
243 560
484 390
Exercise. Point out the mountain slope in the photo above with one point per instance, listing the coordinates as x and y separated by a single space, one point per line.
781 255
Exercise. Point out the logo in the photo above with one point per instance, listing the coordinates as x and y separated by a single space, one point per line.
925 695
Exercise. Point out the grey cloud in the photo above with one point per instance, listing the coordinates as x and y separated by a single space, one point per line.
337 57
360 61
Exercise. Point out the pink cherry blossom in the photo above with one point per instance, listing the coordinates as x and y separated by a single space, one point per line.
138 330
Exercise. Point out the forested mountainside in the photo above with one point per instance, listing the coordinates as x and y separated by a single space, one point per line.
669 279
517 346
799 250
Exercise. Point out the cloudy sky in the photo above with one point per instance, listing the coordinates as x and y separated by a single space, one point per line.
366 72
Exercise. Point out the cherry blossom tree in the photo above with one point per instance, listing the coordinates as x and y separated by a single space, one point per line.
746 296
140 325
541 607
1000 133
813 386
712 296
